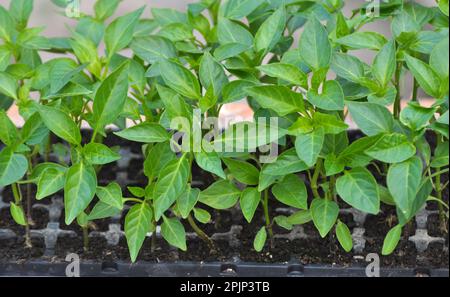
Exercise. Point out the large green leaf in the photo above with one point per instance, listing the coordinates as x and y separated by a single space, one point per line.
238 9
105 8
103 211
145 132
363 40
348 67
291 191
403 181
212 74
187 201
173 232
392 148
285 72
119 33
111 195
439 60
220 195
79 190
315 47
99 154
270 32
110 98
50 181
243 171
157 158
6 24
137 224
180 79
231 32
8 85
371 118
12 167
60 123
210 162
415 116
172 181
153 48
288 162
428 80
308 146
278 98
324 214
384 65
8 132
359 188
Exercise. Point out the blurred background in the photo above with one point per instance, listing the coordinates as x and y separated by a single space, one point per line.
48 15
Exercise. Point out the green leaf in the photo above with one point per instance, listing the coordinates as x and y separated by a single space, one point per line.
18 214
21 10
439 58
371 118
330 124
110 97
12 167
175 105
153 48
8 85
157 158
220 195
392 148
60 123
288 162
443 6
231 32
404 23
111 195
300 217
415 116
441 155
428 80
238 9
315 47
99 154
249 202
242 171
171 183
50 181
308 146
138 223
270 32
212 74
384 65
230 50
359 188
278 98
348 67
119 33
187 201
391 240
5 57
102 211
236 90
331 98
202 215
291 191
79 190
363 40
283 222
8 132
344 236
137 191
176 32
285 72
145 132
403 181
105 8
260 239
6 25
324 214
166 16
210 162
180 79
173 232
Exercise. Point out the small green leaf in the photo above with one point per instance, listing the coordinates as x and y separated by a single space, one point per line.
212 75
102 211
359 188
441 155
249 202
285 72
291 191
50 181
145 132
308 146
21 10
202 215
300 217
105 8
12 167
157 158
428 80
187 201
220 195
173 232
344 236
231 32
210 162
60 123
242 171
8 85
180 79
439 58
348 67
384 64
288 162
324 214
260 239
270 32
329 123
363 40
138 223
6 25
391 240
99 154
415 116
18 214
111 195
371 118
238 9
315 47
278 98
8 132
331 98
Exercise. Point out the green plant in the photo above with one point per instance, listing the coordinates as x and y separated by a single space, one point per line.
188 66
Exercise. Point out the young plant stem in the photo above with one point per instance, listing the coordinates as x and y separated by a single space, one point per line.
397 102
414 91
85 238
200 233
438 188
267 216
315 178
18 201
332 186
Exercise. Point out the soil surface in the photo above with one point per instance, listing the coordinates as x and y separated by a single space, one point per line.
234 235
